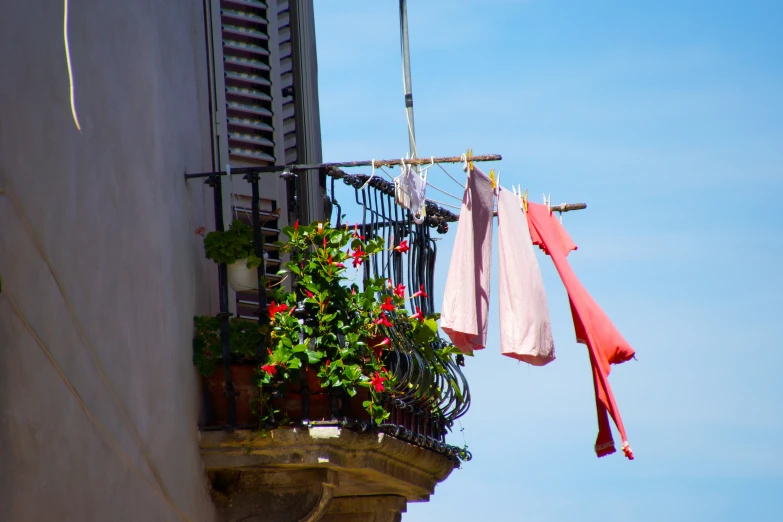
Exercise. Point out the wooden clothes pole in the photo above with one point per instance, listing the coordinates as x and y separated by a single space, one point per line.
565 207
266 169
415 161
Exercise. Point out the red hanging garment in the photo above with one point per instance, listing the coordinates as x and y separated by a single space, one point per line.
593 328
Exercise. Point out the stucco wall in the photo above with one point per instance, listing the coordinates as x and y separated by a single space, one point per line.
117 221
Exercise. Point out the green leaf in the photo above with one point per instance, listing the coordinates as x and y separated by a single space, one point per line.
253 261
299 348
314 357
353 372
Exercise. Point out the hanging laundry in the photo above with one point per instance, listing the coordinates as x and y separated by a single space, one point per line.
409 192
466 299
593 328
525 329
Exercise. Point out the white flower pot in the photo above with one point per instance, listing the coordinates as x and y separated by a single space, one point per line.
241 278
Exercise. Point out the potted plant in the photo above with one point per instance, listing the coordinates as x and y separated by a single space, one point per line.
234 247
328 332
244 339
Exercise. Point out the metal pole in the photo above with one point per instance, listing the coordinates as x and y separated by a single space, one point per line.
225 335
406 76
258 242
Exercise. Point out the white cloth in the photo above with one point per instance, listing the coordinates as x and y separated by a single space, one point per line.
525 329
466 299
409 192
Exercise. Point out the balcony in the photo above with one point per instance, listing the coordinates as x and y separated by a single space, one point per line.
297 441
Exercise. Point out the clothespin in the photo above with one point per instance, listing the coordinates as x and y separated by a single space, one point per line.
492 179
524 199
469 156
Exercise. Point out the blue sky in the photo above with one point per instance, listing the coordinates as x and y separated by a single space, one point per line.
666 118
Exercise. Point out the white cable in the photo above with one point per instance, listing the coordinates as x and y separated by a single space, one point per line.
443 204
449 175
68 63
443 191
372 175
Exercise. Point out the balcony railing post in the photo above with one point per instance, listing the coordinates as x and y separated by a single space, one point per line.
225 334
258 242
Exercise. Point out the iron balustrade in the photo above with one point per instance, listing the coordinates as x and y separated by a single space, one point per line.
430 393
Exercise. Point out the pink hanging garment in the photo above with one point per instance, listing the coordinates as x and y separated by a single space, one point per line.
525 329
466 299
593 328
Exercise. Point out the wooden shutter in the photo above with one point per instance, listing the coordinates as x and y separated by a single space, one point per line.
247 80
255 58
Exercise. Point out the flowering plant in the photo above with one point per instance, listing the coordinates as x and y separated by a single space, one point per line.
331 324
327 324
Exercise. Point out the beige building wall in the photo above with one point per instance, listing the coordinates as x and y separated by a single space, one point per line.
116 220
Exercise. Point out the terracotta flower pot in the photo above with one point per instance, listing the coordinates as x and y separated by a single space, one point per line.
246 400
323 403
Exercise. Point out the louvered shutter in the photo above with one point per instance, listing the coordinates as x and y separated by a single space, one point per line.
248 82
287 79
255 60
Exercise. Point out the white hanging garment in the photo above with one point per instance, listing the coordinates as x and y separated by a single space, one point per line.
409 192
525 329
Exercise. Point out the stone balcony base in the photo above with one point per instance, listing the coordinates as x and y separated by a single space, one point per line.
321 473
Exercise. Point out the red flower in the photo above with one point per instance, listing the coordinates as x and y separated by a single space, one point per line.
269 368
274 308
309 293
356 232
399 290
201 231
377 382
418 315
387 305
320 228
421 293
378 348
403 246
382 320
338 265
296 225
325 243
358 257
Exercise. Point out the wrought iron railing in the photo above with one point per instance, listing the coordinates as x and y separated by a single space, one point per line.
430 394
